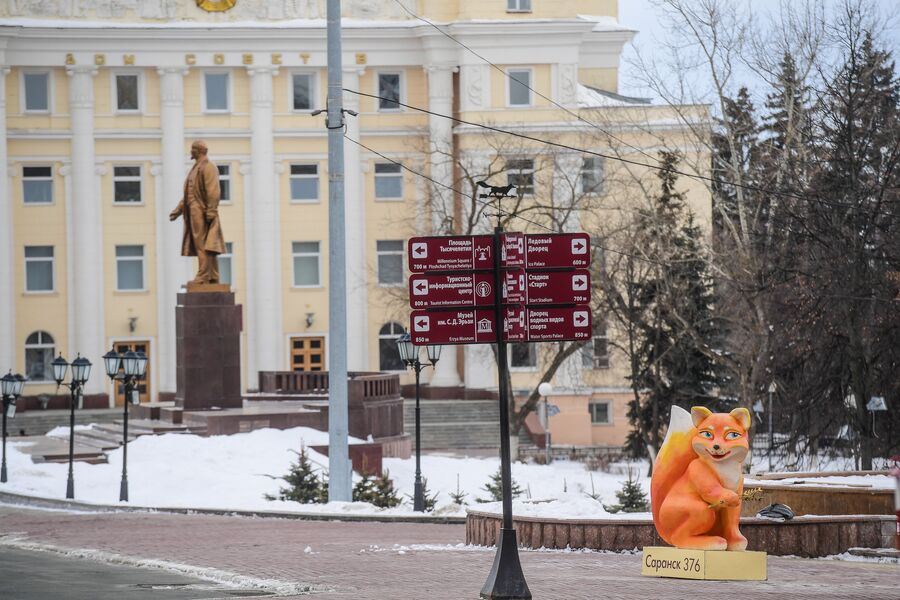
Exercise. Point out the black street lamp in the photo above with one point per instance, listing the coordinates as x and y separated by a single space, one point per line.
133 365
410 356
11 388
81 371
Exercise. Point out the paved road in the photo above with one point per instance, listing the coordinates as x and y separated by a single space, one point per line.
379 561
29 575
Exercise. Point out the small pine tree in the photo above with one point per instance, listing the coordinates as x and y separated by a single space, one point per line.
631 497
459 497
378 491
303 484
593 495
495 488
430 500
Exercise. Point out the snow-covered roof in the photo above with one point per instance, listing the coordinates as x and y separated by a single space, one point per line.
590 97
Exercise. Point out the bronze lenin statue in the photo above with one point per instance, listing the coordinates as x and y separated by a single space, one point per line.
200 207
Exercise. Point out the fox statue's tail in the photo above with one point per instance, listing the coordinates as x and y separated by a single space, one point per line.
672 461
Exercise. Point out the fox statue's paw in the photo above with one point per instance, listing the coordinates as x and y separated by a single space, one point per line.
730 499
701 542
738 543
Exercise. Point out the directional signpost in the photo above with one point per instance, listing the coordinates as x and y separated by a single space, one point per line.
538 287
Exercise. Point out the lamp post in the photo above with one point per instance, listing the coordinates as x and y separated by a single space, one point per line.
544 389
81 371
11 388
410 356
133 365
772 389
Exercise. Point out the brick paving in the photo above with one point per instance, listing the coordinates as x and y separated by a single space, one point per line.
381 561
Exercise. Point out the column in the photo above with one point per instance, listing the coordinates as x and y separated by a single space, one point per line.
355 206
265 276
440 100
87 228
170 267
7 297
249 377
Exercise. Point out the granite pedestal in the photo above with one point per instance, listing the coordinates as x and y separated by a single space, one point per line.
207 349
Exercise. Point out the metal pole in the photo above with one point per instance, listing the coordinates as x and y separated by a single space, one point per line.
3 468
338 451
506 579
123 488
546 431
771 432
418 498
70 483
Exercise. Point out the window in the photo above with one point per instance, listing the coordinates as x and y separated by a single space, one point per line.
39 352
388 91
592 175
388 181
520 173
224 183
390 261
388 353
127 92
37 91
225 275
303 91
37 185
522 355
518 5
216 85
595 354
306 264
304 183
129 268
519 87
600 413
127 185
38 268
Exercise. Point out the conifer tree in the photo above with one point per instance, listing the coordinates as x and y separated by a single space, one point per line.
494 487
304 485
378 491
631 497
458 497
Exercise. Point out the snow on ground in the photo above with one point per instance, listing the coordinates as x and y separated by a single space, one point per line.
230 472
235 472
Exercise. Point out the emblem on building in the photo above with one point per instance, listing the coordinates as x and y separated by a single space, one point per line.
216 5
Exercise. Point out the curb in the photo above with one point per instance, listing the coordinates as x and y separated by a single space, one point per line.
38 502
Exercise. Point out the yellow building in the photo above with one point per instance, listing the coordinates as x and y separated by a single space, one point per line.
99 103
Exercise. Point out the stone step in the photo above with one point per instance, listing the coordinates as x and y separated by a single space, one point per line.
39 422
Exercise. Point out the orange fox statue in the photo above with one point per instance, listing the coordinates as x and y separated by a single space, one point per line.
698 480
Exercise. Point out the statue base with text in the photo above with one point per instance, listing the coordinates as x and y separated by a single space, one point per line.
684 563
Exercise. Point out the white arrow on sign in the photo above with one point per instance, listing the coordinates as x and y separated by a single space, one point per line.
579 283
578 246
422 323
420 287
420 250
580 318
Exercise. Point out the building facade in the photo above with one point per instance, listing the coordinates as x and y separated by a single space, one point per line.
101 99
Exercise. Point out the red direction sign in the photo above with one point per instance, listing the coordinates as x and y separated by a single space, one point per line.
463 252
557 251
559 324
558 287
478 326
465 326
432 290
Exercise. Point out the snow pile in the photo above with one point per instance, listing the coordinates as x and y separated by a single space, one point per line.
234 473
565 506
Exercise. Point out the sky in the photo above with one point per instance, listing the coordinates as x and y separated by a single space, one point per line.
645 16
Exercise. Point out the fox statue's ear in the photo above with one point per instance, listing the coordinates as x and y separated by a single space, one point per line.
742 416
699 414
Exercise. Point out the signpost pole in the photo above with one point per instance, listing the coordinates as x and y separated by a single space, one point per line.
506 579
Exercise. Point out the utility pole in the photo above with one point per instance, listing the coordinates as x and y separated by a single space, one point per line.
338 452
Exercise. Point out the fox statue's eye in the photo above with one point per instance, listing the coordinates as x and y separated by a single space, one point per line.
732 435
707 434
